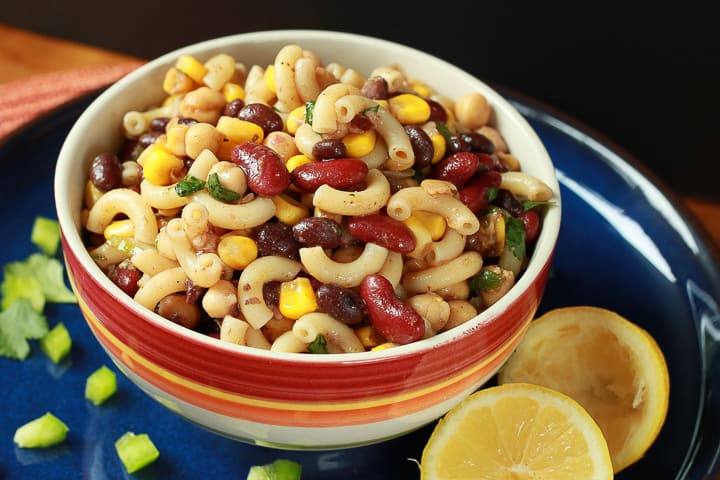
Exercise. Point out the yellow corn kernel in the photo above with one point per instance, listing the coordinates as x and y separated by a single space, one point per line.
421 234
237 251
439 145
270 78
192 67
92 193
409 109
119 228
177 81
295 119
369 336
233 91
224 153
384 346
297 298
160 167
450 122
297 160
360 144
240 131
421 88
434 223
288 210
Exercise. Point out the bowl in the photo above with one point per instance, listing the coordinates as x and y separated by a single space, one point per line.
292 400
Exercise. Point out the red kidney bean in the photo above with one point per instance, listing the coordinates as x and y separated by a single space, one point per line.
456 168
397 321
329 149
176 309
375 88
261 114
505 199
271 292
382 230
342 173
106 171
470 142
125 276
531 219
193 291
421 144
475 193
266 173
341 303
276 238
233 108
187 121
158 124
147 139
318 231
437 111
360 123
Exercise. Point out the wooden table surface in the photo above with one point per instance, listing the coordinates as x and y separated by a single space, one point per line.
24 54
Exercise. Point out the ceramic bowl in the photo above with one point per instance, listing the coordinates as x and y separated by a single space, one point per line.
291 400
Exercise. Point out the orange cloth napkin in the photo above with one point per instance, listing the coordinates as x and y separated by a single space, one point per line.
21 101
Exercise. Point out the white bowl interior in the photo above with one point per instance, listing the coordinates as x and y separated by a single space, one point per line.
98 129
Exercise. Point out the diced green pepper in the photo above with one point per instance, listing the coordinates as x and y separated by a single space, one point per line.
136 451
100 385
46 235
42 432
56 343
280 469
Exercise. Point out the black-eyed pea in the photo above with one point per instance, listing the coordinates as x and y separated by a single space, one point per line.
220 69
472 110
202 136
230 176
432 307
495 137
460 312
203 104
283 144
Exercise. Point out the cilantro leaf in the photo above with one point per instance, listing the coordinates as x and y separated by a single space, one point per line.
189 185
18 323
319 345
49 272
444 130
218 192
484 280
19 283
309 109
515 236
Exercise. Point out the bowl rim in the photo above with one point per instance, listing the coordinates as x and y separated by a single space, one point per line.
542 252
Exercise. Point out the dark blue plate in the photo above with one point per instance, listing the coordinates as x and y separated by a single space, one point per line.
625 244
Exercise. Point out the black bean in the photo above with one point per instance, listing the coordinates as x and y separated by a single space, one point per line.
506 200
375 88
277 239
342 303
158 124
318 231
479 142
233 108
271 292
261 114
328 149
421 144
106 171
147 139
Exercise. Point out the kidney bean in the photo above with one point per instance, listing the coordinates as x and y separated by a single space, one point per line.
125 276
106 171
382 230
318 231
266 173
193 291
456 168
158 124
531 219
421 144
176 309
276 238
233 108
342 173
360 123
437 111
470 142
147 139
271 292
329 149
262 115
187 121
397 321
341 303
375 88
475 193
505 199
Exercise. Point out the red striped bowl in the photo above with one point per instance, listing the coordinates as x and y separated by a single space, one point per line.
295 400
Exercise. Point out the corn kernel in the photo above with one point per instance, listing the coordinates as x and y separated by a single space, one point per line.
433 222
240 131
439 145
160 167
119 228
383 103
421 88
297 298
288 210
384 346
192 67
233 91
92 193
237 251
297 160
421 234
360 144
177 81
270 78
369 336
409 109
294 119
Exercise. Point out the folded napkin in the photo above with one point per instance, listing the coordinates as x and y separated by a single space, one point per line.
23 100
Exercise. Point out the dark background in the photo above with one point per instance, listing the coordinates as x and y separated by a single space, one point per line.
643 75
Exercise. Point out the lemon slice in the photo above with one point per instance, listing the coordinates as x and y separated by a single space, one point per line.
608 364
516 431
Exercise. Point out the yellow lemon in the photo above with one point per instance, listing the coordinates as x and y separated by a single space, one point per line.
608 364
516 431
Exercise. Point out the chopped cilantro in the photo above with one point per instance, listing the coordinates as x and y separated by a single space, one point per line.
218 192
319 345
515 236
189 185
444 130
484 280
18 323
309 109
529 205
372 109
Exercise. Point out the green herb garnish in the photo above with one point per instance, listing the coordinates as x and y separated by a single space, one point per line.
189 185
484 281
309 109
515 236
19 323
218 192
319 345
444 130
372 109
529 205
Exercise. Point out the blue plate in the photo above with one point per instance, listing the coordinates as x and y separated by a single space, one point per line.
624 245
